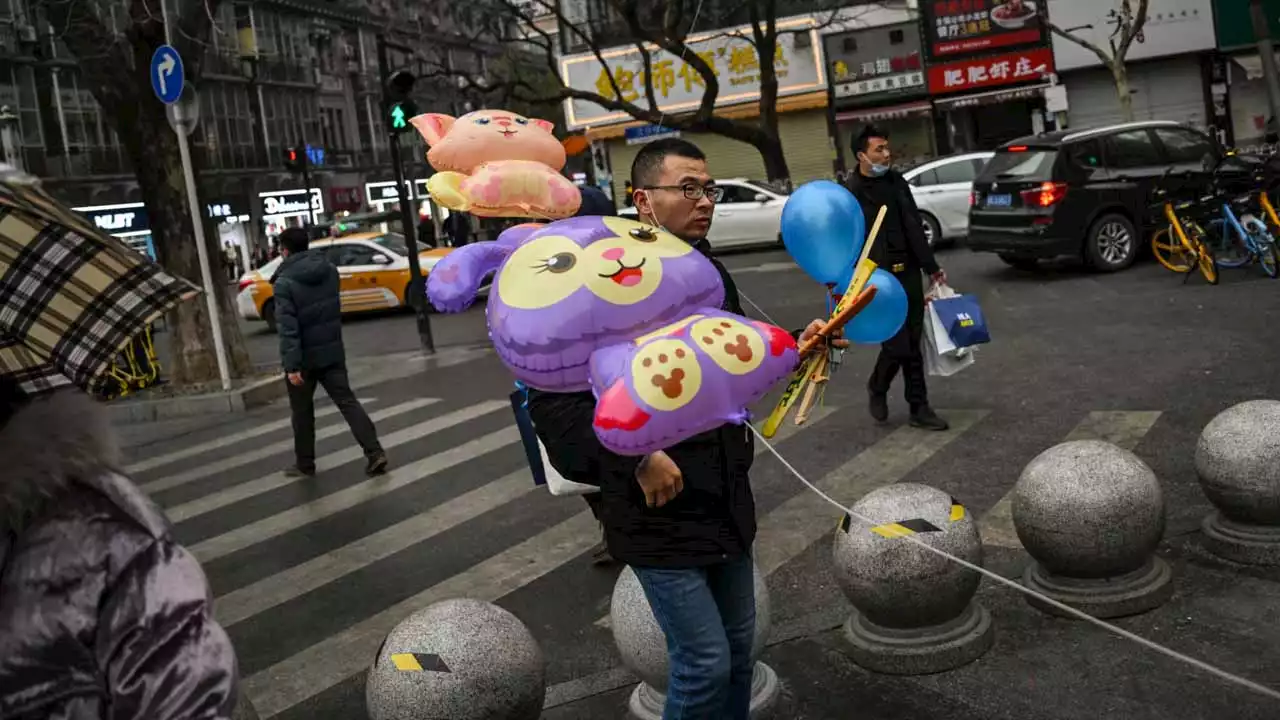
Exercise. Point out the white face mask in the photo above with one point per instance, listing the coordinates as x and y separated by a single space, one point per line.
654 219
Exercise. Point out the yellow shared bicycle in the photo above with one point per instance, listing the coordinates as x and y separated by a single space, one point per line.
137 367
1182 246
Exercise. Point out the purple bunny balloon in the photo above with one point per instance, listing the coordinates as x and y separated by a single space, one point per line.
569 300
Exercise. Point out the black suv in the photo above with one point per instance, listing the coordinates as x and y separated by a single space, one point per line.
1082 193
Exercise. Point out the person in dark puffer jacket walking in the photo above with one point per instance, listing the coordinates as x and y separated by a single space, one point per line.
309 321
102 613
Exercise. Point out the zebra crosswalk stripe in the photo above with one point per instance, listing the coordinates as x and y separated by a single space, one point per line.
248 457
340 656
789 529
298 580
267 483
1124 428
226 441
306 513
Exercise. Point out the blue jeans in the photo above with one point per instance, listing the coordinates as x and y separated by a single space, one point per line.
708 615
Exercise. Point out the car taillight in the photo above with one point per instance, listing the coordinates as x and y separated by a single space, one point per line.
1047 194
973 198
245 282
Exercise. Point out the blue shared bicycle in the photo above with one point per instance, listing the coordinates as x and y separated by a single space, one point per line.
1241 238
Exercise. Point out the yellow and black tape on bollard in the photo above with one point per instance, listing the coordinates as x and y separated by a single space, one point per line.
907 527
419 662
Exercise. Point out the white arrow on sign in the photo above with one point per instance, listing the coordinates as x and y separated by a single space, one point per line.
166 69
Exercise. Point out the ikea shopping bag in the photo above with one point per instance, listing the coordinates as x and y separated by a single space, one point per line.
962 319
941 357
536 453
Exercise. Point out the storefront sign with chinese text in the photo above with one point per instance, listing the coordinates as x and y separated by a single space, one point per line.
678 87
964 27
876 85
979 73
876 64
648 133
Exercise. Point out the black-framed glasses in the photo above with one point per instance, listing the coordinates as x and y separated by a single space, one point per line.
693 191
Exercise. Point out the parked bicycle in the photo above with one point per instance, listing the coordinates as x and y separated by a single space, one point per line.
135 368
1183 245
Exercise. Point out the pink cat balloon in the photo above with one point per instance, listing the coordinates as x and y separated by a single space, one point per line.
627 311
494 163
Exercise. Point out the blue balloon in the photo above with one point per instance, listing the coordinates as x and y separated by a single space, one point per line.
823 229
884 316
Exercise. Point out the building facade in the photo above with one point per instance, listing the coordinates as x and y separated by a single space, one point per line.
276 74
1167 64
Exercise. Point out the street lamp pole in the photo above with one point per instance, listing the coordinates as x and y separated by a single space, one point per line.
416 294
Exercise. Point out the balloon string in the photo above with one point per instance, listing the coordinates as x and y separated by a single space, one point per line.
1078 614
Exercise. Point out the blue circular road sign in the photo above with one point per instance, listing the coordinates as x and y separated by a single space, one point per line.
166 74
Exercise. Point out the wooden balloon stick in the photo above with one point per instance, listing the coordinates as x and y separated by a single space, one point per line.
818 378
838 321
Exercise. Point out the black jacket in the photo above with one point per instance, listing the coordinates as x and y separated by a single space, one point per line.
102 613
308 312
713 519
901 243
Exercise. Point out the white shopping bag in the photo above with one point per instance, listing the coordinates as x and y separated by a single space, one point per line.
941 356
557 484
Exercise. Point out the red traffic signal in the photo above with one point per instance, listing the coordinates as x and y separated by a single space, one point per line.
293 159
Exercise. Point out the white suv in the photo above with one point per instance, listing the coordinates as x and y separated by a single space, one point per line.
749 214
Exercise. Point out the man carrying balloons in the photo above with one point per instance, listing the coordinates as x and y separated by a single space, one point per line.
900 248
682 518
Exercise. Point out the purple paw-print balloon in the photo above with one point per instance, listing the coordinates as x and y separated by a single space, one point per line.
687 378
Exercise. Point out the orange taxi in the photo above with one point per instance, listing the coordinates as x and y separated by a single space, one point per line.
373 268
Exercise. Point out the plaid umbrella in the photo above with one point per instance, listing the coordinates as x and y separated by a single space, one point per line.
71 297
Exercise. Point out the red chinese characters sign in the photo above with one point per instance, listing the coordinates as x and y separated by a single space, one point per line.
960 27
988 72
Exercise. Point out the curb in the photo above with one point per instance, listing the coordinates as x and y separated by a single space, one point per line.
250 396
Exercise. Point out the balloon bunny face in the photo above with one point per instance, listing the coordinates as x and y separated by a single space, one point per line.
568 288
494 163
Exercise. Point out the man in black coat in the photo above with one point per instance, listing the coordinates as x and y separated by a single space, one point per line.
683 518
901 249
309 321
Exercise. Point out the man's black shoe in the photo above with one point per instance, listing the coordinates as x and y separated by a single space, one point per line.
293 471
926 419
879 407
377 464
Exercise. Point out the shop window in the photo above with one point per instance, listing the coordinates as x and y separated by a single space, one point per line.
1132 149
955 172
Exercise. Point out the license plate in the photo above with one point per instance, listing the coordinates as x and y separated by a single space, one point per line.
999 200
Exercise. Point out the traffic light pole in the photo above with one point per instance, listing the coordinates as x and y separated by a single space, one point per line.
306 184
416 297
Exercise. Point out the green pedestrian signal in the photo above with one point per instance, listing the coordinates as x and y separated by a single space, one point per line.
398 114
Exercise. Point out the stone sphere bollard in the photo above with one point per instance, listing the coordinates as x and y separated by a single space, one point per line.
643 648
460 659
1091 515
1238 462
913 609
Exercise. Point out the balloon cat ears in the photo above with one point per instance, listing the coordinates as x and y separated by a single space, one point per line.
455 281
